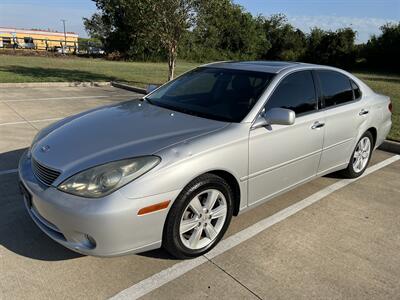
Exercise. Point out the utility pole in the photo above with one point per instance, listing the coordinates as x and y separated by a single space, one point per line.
65 37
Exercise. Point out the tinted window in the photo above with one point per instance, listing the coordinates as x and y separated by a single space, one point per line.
356 89
295 92
203 83
336 88
215 93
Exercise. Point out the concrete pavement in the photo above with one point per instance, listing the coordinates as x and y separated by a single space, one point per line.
344 246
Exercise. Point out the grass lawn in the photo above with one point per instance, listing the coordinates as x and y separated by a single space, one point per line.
53 69
46 69
388 85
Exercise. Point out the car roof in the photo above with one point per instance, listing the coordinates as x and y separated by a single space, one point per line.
260 66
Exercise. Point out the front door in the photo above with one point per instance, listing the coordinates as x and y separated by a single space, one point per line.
280 156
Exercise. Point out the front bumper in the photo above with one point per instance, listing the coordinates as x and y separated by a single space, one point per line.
107 226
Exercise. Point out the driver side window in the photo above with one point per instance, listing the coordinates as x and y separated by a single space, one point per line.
295 92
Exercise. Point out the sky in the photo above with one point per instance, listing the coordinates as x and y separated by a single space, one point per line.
364 16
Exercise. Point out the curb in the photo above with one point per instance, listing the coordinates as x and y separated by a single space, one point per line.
390 146
129 87
55 84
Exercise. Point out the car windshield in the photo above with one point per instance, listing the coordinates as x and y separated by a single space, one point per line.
213 93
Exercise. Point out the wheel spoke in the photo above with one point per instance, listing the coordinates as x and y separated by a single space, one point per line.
187 225
212 197
195 237
210 231
196 206
356 154
203 219
218 212
360 163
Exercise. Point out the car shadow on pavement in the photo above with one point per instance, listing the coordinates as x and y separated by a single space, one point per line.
18 233
335 175
158 254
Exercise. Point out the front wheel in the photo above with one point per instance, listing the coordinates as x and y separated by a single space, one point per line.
360 157
199 217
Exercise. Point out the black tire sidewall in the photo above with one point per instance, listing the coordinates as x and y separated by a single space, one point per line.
350 169
171 238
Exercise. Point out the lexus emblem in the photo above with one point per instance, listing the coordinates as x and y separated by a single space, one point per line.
45 148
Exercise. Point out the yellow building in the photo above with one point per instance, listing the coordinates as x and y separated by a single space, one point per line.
38 39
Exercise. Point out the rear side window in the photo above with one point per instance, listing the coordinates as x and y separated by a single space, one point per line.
336 88
295 92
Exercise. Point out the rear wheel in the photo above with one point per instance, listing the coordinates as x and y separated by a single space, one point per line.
199 217
360 157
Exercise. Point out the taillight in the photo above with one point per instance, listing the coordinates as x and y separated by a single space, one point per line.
390 106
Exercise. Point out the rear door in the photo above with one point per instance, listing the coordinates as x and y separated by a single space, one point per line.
342 118
282 156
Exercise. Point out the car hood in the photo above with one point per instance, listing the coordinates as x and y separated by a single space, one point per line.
119 131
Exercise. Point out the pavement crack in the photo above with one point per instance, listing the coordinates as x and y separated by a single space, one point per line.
235 279
22 117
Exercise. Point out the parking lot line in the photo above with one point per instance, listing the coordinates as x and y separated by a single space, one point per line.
27 122
8 171
65 98
157 280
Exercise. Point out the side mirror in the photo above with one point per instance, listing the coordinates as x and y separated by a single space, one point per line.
150 88
280 116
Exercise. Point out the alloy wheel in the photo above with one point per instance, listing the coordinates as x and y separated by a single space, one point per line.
203 219
361 154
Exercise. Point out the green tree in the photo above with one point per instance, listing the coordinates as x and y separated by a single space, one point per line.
336 48
223 30
172 18
282 40
95 27
383 51
142 28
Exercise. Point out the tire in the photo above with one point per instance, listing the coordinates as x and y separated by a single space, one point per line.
353 170
208 222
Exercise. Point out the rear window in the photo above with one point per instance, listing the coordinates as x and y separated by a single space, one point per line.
336 88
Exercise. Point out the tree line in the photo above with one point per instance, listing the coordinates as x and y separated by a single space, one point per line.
209 30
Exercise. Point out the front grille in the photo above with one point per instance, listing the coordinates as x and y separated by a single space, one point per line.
44 174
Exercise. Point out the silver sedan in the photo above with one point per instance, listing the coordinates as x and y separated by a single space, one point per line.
172 169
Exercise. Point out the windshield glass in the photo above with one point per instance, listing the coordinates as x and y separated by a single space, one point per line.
214 93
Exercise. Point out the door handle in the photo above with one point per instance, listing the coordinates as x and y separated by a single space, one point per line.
363 112
317 125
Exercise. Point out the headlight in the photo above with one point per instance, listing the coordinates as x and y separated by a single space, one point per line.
105 179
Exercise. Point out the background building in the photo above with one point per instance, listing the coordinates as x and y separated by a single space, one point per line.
38 40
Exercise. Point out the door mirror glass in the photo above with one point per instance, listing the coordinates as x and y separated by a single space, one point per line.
280 116
150 88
